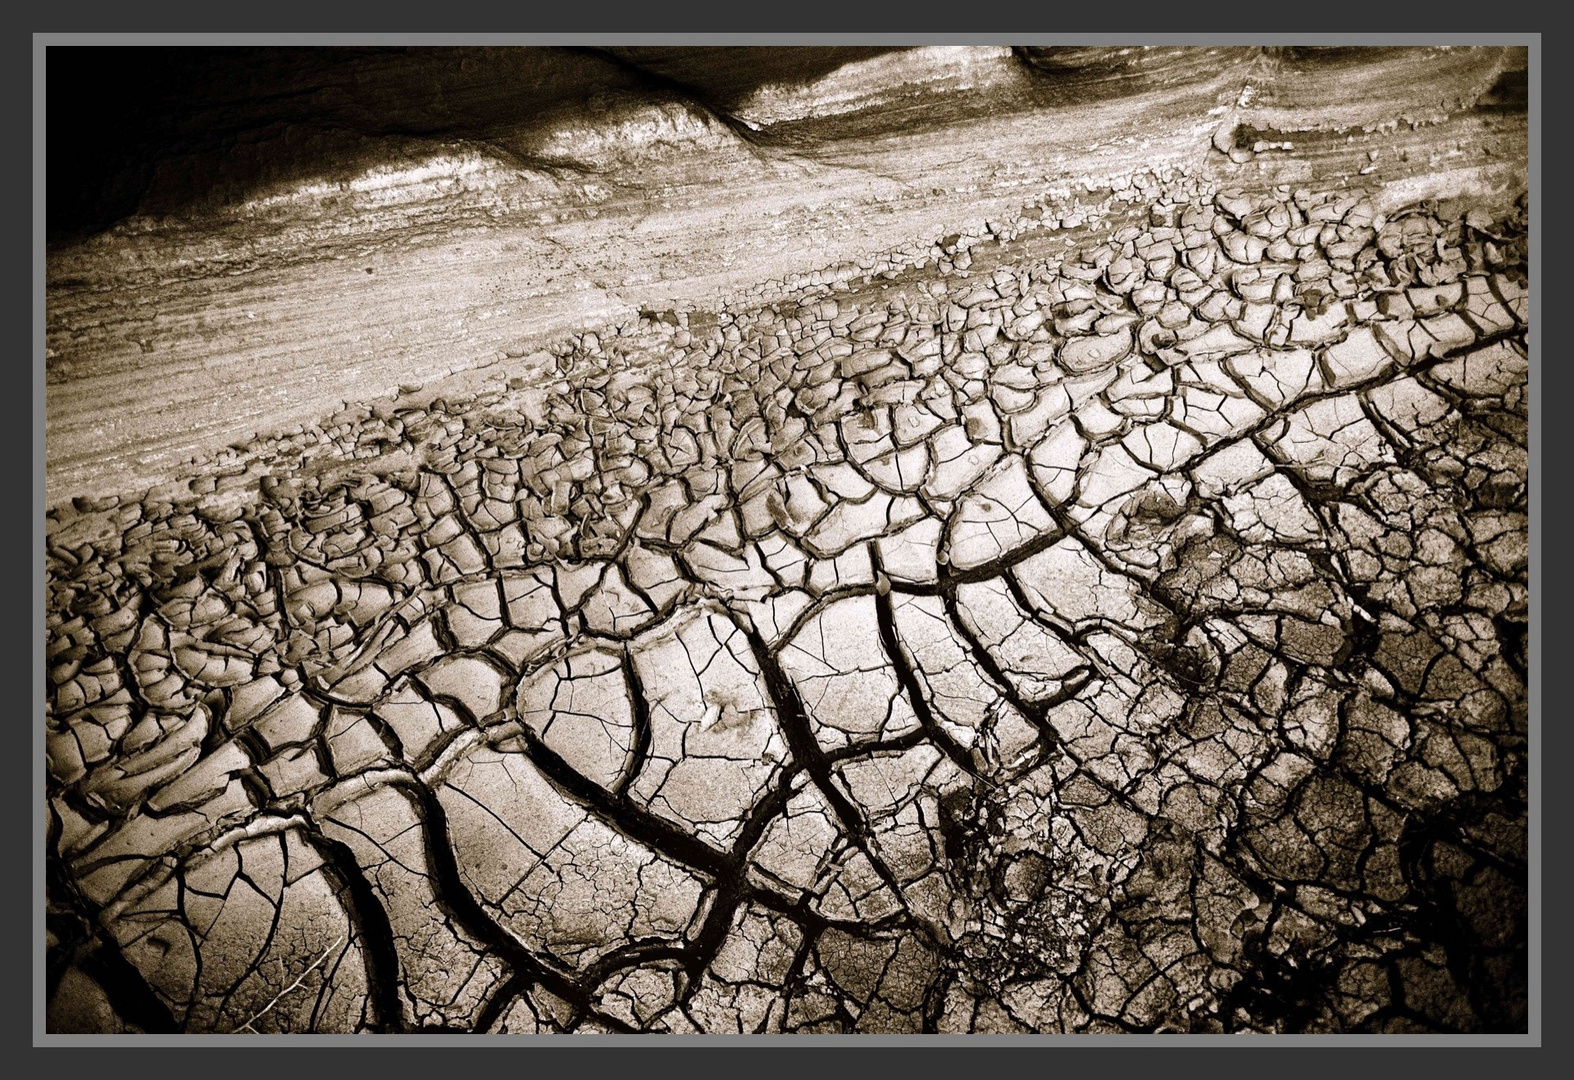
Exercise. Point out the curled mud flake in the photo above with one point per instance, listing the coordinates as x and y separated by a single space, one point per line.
714 742
581 710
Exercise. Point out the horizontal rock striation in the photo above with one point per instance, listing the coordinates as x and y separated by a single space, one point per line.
319 232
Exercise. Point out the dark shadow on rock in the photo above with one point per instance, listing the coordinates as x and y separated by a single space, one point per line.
163 129
1080 73
722 76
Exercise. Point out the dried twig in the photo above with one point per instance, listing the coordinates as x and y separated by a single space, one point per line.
299 980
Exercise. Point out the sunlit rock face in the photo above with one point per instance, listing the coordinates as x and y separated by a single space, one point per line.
791 541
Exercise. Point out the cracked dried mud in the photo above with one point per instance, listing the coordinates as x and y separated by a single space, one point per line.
1111 624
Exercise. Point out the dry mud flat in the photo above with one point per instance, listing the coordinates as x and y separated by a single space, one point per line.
1118 626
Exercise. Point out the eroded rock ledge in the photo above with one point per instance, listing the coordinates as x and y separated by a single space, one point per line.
410 214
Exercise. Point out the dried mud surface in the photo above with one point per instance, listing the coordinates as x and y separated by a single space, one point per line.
1106 617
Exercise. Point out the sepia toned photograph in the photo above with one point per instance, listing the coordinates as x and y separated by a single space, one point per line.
777 540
